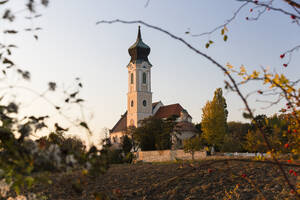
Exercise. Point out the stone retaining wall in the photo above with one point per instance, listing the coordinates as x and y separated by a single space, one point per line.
167 155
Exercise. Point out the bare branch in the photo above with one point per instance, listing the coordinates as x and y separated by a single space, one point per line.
290 54
272 8
147 3
271 103
222 25
293 3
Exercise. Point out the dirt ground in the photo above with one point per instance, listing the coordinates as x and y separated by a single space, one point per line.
208 179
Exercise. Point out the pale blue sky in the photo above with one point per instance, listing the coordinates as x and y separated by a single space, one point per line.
71 45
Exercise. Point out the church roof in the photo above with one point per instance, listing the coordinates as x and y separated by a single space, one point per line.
121 125
162 112
139 51
168 111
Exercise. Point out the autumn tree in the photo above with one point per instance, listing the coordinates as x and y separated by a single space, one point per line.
126 144
193 144
276 130
235 139
154 134
214 119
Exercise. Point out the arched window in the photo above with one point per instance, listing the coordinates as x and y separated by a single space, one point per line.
131 78
145 103
131 103
144 78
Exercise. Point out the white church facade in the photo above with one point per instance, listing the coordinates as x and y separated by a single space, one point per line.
139 99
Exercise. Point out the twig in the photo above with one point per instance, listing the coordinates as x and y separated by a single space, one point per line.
293 3
222 25
147 3
271 8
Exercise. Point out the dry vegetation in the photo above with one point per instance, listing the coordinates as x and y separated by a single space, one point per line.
209 179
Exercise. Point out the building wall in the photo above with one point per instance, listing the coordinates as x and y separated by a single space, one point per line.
167 155
116 137
138 92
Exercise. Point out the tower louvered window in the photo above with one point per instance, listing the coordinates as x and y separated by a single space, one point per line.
144 78
131 78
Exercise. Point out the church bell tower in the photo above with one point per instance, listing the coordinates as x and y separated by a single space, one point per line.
139 96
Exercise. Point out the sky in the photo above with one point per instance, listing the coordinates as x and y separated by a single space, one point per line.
71 45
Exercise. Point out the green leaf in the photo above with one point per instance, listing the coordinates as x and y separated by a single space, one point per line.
210 42
207 45
7 61
73 94
10 31
3 2
45 2
29 180
225 38
12 45
52 86
79 100
246 115
17 189
8 15
84 124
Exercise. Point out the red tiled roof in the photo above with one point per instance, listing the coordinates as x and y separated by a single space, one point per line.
121 125
163 112
168 111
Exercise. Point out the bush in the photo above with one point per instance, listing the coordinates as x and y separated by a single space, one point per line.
230 144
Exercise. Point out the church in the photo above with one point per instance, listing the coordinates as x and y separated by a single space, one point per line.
139 100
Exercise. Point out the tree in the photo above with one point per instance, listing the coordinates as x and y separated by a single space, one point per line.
214 120
130 133
193 144
154 134
198 128
126 144
235 139
276 129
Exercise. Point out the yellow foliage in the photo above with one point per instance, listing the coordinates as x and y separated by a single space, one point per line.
267 78
243 69
255 74
229 66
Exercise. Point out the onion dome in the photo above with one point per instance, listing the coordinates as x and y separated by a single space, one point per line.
139 51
